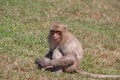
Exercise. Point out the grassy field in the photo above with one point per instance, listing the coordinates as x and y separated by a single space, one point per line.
24 26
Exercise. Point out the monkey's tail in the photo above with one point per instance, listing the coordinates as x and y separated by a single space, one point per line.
97 75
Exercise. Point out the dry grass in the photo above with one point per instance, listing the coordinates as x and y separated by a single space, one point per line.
24 27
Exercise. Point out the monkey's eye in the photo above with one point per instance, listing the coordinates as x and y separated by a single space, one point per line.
59 32
52 32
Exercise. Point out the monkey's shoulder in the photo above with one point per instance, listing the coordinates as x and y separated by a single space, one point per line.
70 47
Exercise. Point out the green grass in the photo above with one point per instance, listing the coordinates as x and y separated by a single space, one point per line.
24 26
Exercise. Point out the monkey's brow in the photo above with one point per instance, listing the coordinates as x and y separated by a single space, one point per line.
56 31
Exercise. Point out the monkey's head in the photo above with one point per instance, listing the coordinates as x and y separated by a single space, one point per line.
57 31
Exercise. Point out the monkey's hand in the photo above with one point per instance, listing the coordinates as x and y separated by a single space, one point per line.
38 62
45 64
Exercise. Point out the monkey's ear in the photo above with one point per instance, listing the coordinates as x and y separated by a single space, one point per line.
65 27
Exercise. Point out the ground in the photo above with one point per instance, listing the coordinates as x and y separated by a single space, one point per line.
24 26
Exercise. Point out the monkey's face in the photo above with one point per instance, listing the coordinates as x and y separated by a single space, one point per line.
56 35
57 32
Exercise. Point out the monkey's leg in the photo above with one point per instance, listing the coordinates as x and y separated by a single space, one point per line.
73 67
70 69
62 62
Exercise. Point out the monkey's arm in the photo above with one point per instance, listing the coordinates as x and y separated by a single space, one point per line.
62 62
65 61
45 59
49 54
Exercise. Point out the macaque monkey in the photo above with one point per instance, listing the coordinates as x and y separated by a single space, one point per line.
65 52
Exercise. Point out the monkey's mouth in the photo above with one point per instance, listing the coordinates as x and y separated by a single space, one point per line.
56 39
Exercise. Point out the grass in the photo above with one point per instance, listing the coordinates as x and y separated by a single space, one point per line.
24 26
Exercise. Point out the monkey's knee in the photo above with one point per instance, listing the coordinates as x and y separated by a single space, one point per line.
70 69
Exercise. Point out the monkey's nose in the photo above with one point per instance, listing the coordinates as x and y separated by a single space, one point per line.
54 38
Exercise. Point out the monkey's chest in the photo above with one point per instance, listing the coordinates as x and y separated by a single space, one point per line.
56 54
66 48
